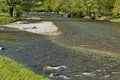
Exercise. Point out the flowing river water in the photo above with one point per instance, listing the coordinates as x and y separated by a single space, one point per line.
86 50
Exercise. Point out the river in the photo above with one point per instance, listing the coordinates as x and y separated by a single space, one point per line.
86 50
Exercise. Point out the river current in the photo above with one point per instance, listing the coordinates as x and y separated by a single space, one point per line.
86 50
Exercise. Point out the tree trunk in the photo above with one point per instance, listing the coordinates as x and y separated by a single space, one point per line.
11 11
99 12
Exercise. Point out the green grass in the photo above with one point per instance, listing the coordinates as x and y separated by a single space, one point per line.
5 18
11 70
115 20
102 18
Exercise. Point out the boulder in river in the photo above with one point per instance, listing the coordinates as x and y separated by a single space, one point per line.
1 48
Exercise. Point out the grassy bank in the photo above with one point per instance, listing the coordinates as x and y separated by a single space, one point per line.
105 18
5 18
110 18
11 70
115 20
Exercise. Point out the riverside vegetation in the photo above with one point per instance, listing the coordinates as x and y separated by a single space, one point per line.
5 18
11 70
95 9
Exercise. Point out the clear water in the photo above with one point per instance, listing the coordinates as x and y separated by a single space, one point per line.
71 49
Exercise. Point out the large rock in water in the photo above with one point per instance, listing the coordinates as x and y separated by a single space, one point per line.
1 48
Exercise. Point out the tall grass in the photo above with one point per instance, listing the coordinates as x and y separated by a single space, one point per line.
115 20
11 70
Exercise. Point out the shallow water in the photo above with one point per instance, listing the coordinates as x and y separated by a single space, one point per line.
72 49
100 35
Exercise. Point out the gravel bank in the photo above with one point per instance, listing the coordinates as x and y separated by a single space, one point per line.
45 28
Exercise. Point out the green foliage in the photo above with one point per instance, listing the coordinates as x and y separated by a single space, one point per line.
4 19
18 11
90 8
3 6
115 20
28 5
11 70
12 4
79 7
116 10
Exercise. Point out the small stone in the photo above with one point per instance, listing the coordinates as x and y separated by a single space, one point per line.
1 28
34 27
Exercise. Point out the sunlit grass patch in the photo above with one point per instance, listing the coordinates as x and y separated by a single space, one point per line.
102 18
11 70
115 20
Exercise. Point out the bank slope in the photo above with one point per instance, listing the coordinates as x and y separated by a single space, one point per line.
11 70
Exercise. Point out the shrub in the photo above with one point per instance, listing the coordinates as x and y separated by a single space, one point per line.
18 11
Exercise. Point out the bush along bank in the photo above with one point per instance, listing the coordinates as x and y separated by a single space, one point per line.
5 19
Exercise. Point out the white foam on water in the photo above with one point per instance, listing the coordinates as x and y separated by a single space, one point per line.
115 72
52 75
88 74
106 76
54 68
64 77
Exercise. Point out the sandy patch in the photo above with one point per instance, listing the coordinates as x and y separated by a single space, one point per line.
45 28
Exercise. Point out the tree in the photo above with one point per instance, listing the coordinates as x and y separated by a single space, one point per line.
3 6
56 4
12 4
116 10
28 5
18 11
